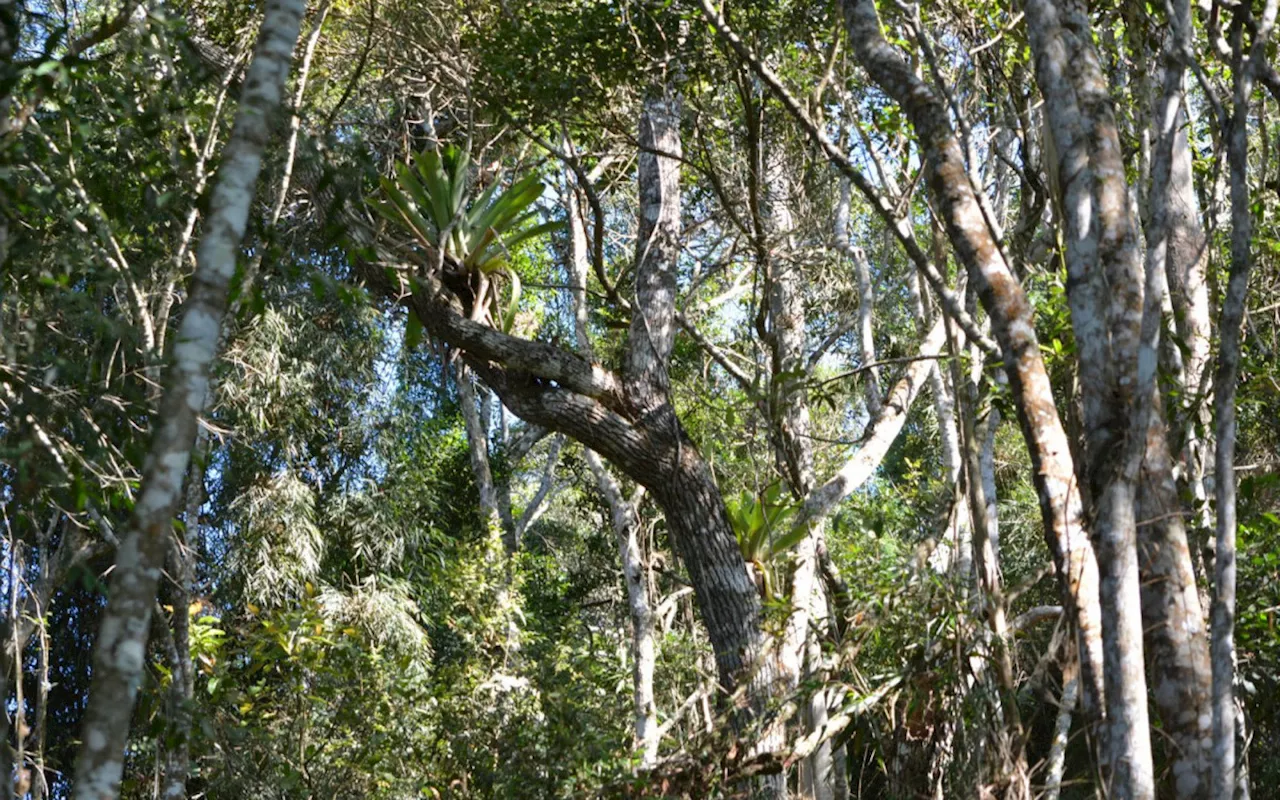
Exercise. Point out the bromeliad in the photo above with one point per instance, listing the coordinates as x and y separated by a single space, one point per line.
469 240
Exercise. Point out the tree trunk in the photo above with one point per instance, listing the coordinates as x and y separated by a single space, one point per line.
1115 317
120 651
1172 614
1224 389
626 528
181 567
1013 325
623 517
790 412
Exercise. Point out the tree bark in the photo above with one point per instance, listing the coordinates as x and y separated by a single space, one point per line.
626 528
1115 317
1013 324
1172 615
181 567
866 299
120 651
1224 759
789 410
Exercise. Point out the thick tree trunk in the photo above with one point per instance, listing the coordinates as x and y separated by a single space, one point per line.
1172 614
120 651
1115 312
1013 325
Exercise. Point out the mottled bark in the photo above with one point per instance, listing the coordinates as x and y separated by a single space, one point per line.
1056 761
1013 324
879 435
790 411
1115 334
954 552
120 650
653 327
176 755
10 30
626 528
1176 645
1224 756
478 455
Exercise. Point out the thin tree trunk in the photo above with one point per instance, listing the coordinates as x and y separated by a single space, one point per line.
626 528
176 759
10 31
957 544
790 412
866 299
1057 759
478 451
623 517
120 651
1233 304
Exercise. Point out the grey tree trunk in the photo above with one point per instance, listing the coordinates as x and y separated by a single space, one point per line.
1115 315
626 528
120 650
176 757
1244 70
790 412
1173 618
866 299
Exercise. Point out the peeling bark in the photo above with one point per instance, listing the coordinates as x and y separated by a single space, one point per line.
120 650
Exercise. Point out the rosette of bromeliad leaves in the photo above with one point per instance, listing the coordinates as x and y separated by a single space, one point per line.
472 239
765 529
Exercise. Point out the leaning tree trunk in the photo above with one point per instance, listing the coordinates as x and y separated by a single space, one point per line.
1013 324
120 651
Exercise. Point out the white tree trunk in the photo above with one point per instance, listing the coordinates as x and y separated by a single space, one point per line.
120 650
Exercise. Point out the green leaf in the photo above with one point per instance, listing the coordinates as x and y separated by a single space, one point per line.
789 540
436 186
509 319
412 332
